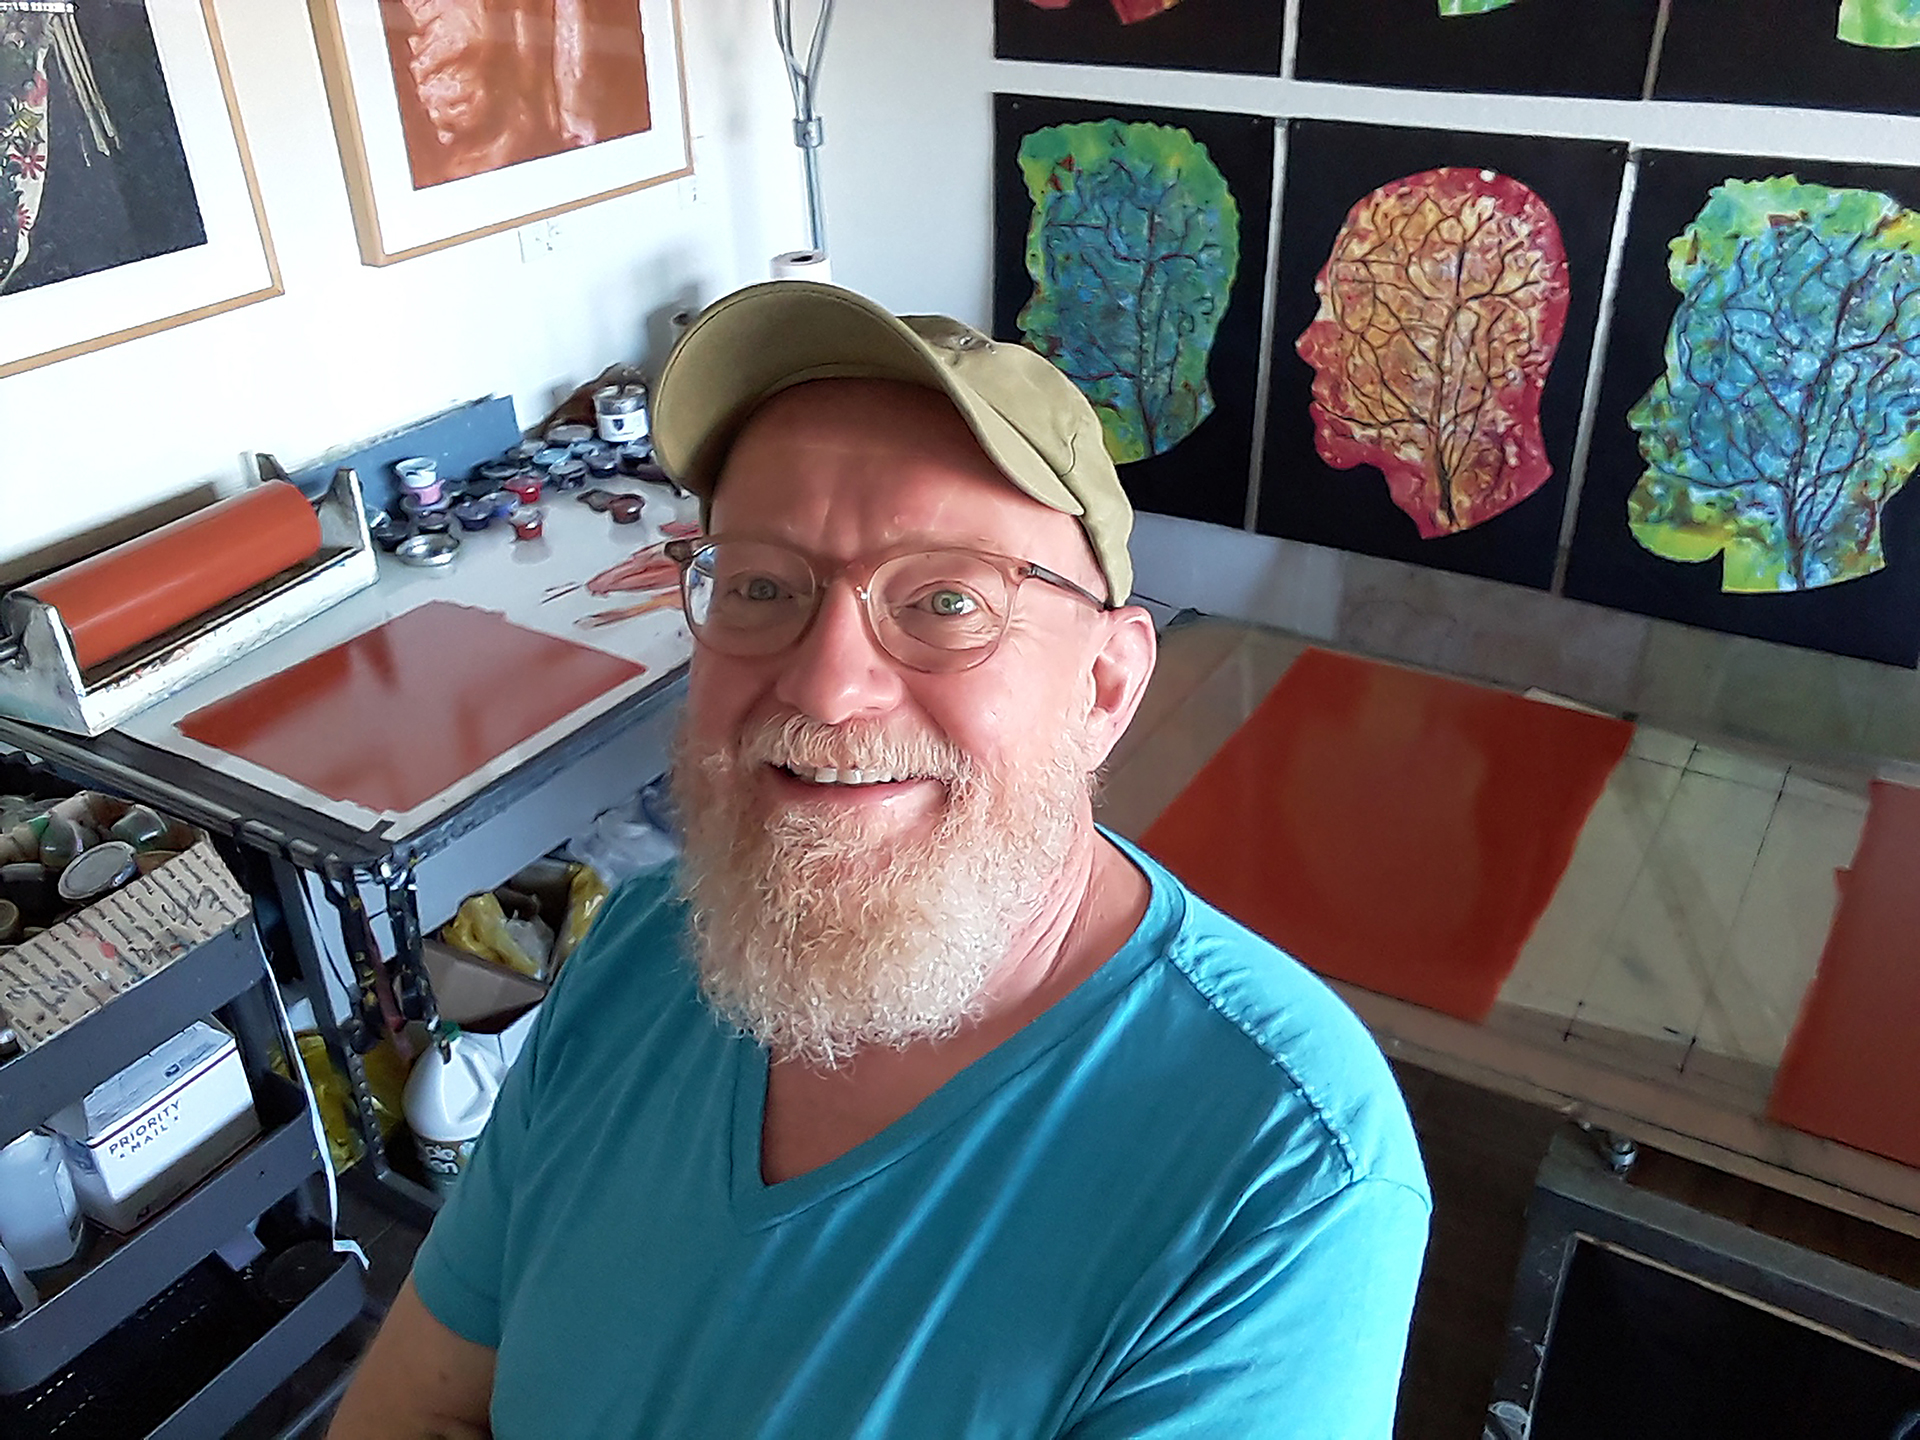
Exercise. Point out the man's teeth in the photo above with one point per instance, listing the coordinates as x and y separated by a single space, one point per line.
830 776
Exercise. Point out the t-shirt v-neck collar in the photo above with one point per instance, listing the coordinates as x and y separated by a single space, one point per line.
757 1204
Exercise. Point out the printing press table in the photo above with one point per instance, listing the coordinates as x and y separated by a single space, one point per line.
1657 992
354 889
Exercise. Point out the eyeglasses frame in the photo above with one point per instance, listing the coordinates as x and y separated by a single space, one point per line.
1015 570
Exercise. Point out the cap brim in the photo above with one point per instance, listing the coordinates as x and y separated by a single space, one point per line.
771 337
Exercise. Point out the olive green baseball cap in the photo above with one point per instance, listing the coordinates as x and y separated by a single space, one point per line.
1032 421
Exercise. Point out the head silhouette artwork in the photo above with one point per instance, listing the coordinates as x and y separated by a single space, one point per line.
1442 302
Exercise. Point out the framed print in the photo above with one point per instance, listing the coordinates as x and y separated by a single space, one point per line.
1130 248
1833 54
1504 47
461 118
1438 298
127 197
1759 417
1239 37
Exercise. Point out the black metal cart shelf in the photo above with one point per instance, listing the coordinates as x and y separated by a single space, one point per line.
153 1336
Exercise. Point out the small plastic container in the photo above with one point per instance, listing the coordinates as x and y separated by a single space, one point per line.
388 532
529 522
525 487
551 456
421 477
473 514
568 475
626 509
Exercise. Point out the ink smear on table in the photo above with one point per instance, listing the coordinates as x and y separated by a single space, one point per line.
394 717
1852 1069
1400 831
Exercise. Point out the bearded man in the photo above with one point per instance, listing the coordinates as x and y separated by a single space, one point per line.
912 1103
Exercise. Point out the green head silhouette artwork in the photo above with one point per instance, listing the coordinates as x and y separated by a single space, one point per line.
1133 247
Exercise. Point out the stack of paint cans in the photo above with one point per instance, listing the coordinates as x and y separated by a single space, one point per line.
620 414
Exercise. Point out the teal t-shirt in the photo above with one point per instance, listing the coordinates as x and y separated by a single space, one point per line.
1186 1200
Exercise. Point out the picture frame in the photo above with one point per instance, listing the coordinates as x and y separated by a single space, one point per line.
228 262
396 218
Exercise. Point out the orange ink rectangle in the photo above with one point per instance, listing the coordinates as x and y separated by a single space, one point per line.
1852 1068
394 717
1397 830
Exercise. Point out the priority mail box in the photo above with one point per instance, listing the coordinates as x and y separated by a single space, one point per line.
144 1137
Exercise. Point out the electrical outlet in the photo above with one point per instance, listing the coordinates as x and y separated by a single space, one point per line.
539 240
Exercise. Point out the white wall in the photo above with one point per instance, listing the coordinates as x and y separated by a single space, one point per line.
350 350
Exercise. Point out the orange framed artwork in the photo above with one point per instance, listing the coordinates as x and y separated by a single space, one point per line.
461 118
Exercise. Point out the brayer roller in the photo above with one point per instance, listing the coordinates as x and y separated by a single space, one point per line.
87 646
126 596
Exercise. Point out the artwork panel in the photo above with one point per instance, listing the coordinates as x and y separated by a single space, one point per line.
1178 410
1331 480
1697 533
93 165
1523 47
615 121
1830 54
483 84
1225 36
128 202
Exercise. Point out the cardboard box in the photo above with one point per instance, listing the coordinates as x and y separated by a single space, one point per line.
143 1138
53 980
477 994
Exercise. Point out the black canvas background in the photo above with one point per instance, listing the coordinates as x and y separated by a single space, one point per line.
1205 476
1876 617
98 212
1228 36
1539 47
1779 52
1329 167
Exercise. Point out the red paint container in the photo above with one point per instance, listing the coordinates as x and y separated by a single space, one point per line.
528 522
525 486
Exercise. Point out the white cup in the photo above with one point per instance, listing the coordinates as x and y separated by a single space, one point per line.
40 1221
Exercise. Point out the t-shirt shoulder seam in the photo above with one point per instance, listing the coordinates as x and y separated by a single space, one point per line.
1341 1140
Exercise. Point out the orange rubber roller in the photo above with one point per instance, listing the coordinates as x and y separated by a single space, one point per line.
122 597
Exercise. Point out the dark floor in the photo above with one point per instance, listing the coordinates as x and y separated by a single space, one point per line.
1482 1151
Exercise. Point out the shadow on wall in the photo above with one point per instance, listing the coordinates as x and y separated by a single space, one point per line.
87 542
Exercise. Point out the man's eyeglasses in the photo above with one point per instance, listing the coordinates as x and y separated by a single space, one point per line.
933 610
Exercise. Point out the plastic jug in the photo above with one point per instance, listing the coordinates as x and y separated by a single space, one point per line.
40 1221
448 1098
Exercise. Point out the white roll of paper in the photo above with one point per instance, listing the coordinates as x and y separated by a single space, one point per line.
803 265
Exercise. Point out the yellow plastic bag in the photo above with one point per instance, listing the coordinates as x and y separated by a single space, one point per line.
386 1079
586 893
480 928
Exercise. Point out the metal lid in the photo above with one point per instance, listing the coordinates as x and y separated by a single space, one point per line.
93 872
428 551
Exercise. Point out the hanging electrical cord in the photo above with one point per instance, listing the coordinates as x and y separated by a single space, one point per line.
808 131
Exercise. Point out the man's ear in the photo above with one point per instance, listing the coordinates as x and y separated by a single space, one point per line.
1121 668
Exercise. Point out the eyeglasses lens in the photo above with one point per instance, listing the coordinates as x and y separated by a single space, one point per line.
943 610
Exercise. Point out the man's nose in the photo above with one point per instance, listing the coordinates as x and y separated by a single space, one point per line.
837 670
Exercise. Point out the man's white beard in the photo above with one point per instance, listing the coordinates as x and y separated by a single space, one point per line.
818 933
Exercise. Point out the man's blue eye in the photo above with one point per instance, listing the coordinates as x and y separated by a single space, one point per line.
951 603
761 587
